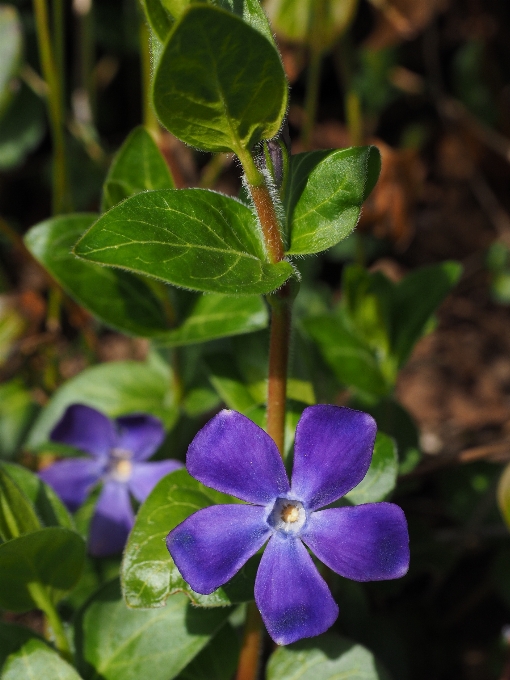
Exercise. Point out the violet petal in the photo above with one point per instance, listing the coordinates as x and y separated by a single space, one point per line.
86 429
72 479
141 434
145 476
332 453
233 455
364 542
292 596
112 521
211 545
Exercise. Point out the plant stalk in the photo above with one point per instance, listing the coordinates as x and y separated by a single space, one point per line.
54 100
249 657
43 601
149 117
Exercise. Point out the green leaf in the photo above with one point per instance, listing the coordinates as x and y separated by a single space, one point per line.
117 643
353 362
22 127
17 411
193 238
115 388
137 166
328 657
324 199
160 20
37 660
503 494
218 659
17 514
416 298
148 574
227 382
117 298
11 45
251 12
48 506
52 557
12 638
294 19
217 316
220 84
381 477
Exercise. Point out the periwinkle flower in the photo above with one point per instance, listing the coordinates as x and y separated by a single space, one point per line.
117 452
332 453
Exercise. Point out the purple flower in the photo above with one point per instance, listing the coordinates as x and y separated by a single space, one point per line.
117 452
332 453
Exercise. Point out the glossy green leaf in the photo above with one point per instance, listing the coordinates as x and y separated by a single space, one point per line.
11 44
354 363
325 196
328 657
416 298
37 660
218 659
48 506
251 12
149 575
22 127
137 166
116 388
117 298
193 238
217 316
52 557
311 21
117 643
220 84
17 411
12 638
17 514
381 477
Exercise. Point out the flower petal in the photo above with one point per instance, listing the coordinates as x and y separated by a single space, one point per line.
332 453
235 456
364 542
145 476
211 545
72 479
112 521
85 429
140 433
292 596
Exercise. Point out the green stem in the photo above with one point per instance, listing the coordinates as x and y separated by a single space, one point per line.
249 657
61 202
149 117
42 599
312 95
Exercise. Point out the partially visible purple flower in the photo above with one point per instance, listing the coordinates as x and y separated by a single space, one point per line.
117 452
332 453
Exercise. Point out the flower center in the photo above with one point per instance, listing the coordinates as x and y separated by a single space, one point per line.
120 467
287 515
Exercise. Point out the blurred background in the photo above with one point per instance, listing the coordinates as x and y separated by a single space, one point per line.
427 82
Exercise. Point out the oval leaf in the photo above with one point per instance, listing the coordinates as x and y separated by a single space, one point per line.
17 514
52 557
149 574
193 238
117 643
137 166
37 660
325 197
328 657
12 638
220 84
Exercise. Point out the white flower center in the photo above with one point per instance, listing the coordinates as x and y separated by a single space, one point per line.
121 467
287 515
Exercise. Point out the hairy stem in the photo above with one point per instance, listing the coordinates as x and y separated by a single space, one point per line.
43 600
149 117
61 200
249 657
